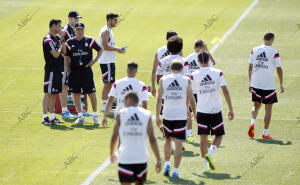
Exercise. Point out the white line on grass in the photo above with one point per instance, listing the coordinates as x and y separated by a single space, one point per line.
232 28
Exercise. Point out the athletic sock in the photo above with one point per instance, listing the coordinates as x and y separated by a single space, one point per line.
80 115
64 109
104 104
175 170
253 122
167 163
189 132
95 114
52 116
205 164
266 132
212 150
45 116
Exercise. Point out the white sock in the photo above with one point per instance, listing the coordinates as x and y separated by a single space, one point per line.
212 150
167 163
205 163
45 115
253 122
175 170
104 103
266 132
52 116
80 115
64 109
95 114
189 132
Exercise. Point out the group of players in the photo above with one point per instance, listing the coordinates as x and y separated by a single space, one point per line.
188 89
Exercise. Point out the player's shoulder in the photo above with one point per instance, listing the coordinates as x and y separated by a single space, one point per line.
70 40
144 111
218 72
191 56
123 110
121 80
66 27
47 38
162 48
88 38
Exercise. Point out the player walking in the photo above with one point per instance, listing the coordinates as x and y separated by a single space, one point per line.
207 82
133 125
262 63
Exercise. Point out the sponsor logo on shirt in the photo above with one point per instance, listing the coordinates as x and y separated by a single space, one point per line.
262 57
126 89
134 120
207 81
174 86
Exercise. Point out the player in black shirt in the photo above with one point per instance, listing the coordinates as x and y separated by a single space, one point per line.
53 71
79 54
67 33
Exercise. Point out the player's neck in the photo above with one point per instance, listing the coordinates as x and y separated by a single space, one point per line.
72 25
52 33
109 25
78 38
204 65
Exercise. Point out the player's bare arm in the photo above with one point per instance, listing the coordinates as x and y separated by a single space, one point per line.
190 98
154 146
144 104
67 64
153 76
105 38
114 139
249 75
93 61
280 76
55 53
228 101
108 105
158 103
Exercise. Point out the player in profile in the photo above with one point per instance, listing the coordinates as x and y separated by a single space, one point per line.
133 125
122 86
108 59
194 65
160 53
54 66
177 93
262 63
79 55
67 33
207 81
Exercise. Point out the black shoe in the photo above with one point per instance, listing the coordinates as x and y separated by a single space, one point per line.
46 121
114 105
54 121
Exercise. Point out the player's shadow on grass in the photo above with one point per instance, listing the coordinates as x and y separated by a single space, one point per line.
273 141
189 154
88 126
183 181
60 127
217 176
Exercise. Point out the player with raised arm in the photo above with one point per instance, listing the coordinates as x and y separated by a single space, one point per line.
262 63
206 82
133 125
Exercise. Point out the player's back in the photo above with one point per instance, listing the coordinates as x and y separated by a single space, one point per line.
192 59
162 52
133 135
107 56
165 63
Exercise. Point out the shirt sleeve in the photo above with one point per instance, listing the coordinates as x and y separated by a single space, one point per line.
159 70
222 80
251 58
186 68
68 49
277 60
145 95
95 45
113 91
48 44
193 82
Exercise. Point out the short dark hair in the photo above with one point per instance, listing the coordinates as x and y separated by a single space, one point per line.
203 57
171 33
132 95
132 65
199 43
176 65
111 15
54 21
269 35
175 44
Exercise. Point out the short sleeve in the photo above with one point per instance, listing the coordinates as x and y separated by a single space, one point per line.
113 91
144 95
159 69
277 61
95 45
251 58
48 45
68 49
222 80
186 69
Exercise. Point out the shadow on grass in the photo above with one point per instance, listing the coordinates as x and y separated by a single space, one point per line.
217 176
60 127
189 154
272 141
182 181
88 126
117 181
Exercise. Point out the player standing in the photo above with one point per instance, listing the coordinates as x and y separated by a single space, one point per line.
177 93
122 86
108 59
133 125
79 67
207 82
262 63
67 33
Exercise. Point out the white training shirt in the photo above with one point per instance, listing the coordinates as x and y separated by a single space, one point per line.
133 135
164 65
174 95
162 52
107 56
122 86
207 82
264 60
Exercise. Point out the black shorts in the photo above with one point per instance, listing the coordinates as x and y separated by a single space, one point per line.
52 82
64 77
132 172
82 79
175 128
210 124
264 96
108 72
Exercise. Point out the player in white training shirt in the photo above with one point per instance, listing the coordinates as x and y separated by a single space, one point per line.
207 81
194 65
177 93
122 86
108 59
133 125
160 53
262 63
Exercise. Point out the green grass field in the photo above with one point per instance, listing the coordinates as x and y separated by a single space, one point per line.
33 154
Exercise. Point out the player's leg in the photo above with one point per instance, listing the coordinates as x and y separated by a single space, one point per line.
108 78
257 100
77 103
93 99
167 153
45 109
267 119
63 96
189 132
203 150
177 157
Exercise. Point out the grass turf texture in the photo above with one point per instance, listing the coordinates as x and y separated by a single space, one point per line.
31 153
